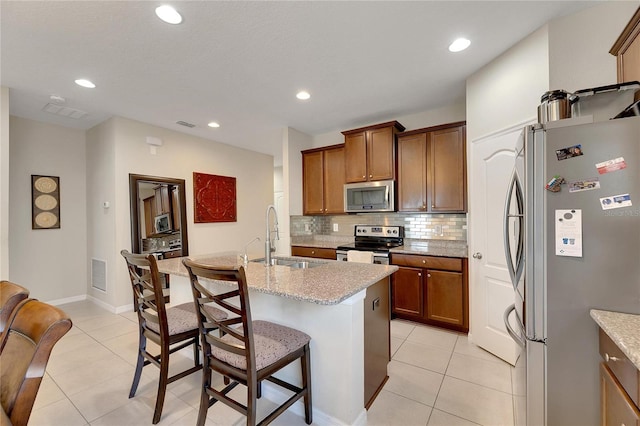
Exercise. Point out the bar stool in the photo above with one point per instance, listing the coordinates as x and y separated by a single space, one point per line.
32 331
10 296
248 351
171 328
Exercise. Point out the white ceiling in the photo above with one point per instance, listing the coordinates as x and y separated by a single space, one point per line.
241 63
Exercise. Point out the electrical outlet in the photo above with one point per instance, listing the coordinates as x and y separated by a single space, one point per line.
336 228
307 227
438 230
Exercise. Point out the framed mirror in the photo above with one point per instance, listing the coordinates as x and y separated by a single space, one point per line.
158 216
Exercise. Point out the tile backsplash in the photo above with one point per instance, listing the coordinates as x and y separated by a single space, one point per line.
416 225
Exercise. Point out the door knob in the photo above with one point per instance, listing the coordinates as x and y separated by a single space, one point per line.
477 255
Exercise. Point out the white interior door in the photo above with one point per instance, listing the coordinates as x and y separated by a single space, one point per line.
492 159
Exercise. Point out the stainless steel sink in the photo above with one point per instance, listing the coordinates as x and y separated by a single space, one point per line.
304 265
291 263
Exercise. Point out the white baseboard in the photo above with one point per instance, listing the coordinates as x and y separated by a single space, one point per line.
124 308
273 393
72 299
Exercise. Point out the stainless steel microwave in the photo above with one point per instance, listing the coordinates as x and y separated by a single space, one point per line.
365 197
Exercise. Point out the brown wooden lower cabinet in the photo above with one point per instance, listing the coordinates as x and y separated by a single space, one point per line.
407 292
619 386
171 254
377 339
321 253
617 407
432 290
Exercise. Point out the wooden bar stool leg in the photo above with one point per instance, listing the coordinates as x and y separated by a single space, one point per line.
142 346
305 363
204 397
252 393
162 385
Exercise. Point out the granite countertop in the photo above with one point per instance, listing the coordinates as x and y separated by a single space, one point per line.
444 248
328 284
623 329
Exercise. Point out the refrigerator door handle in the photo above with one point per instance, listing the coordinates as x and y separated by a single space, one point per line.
518 339
515 271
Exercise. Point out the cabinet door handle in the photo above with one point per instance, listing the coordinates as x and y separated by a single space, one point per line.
364 176
608 358
424 261
428 275
419 274
370 176
313 252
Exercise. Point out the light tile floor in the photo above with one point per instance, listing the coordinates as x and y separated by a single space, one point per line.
436 377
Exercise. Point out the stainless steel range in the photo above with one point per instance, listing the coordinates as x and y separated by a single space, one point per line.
375 239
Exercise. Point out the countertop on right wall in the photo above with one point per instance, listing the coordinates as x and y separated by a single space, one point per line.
623 329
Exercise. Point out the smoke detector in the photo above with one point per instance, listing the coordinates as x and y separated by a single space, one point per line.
57 99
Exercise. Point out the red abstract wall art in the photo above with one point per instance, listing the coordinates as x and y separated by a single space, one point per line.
214 198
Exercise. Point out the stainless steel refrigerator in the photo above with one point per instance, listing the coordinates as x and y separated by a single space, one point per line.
572 241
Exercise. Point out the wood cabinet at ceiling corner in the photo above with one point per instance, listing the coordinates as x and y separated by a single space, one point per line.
322 180
432 170
626 49
370 152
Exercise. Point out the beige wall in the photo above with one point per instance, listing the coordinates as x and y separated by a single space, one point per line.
101 222
49 262
432 117
579 46
118 148
507 91
4 183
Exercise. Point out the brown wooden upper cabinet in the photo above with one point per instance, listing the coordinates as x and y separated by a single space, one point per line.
370 152
627 50
323 172
163 200
432 169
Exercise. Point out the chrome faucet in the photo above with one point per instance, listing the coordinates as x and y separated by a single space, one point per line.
245 257
268 246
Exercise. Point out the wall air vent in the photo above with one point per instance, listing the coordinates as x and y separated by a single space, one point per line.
185 124
64 111
99 274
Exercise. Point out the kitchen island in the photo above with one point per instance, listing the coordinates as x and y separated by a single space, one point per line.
343 306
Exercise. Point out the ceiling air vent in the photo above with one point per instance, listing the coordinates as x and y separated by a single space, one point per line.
185 124
64 111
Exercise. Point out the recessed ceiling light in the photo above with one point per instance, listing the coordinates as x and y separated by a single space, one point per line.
85 83
303 95
459 45
213 124
168 14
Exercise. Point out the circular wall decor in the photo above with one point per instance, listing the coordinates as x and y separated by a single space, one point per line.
46 202
46 220
45 184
